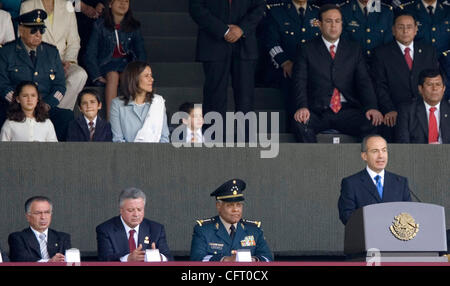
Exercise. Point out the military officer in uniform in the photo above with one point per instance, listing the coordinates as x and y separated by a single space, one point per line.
28 58
220 237
433 21
444 63
289 24
369 24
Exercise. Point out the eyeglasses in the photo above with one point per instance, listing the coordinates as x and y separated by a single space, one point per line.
35 29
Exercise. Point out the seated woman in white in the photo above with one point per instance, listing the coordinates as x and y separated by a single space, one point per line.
28 118
138 115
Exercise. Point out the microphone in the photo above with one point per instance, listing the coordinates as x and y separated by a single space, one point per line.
415 196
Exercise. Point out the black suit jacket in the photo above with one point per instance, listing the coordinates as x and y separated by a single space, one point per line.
316 74
213 18
412 123
79 131
24 246
394 83
359 190
112 241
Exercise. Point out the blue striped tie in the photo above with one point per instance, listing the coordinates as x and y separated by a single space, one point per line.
379 185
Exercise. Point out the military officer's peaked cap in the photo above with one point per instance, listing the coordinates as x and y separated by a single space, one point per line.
33 18
230 191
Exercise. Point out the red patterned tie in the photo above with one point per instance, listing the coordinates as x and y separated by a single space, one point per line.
432 127
131 241
408 58
335 102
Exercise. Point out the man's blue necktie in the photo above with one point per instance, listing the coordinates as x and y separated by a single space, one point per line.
379 185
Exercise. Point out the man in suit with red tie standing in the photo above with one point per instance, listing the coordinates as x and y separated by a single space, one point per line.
332 87
374 184
426 120
396 68
226 43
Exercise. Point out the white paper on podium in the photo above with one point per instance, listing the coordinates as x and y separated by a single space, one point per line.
73 255
152 255
243 255
1 260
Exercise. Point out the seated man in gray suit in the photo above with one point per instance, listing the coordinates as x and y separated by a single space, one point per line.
374 184
38 243
426 120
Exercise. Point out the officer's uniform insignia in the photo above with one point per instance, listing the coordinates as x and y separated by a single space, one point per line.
248 241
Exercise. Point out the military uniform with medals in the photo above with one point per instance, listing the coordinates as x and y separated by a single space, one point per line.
47 72
212 242
371 30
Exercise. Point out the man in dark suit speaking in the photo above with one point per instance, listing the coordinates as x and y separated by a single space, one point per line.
373 184
332 87
126 237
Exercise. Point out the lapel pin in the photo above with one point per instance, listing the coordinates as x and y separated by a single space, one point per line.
146 240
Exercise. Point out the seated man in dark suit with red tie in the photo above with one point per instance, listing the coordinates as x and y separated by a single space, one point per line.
38 243
396 67
89 127
126 237
332 87
427 119
374 184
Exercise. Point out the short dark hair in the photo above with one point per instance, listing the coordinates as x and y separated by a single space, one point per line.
15 112
429 73
403 13
129 82
36 199
327 7
365 139
92 91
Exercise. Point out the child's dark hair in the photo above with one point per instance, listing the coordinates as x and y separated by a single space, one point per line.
15 112
94 92
129 23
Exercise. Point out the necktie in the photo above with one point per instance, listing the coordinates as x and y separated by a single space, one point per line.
131 241
432 127
229 1
408 58
430 10
232 231
43 246
365 11
91 130
379 186
335 102
301 13
193 138
33 57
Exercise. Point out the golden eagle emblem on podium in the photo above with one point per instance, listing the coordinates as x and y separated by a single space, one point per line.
404 227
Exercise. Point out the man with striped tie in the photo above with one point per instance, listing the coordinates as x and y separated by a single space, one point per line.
38 243
374 184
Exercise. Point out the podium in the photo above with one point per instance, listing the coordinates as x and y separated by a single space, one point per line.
397 232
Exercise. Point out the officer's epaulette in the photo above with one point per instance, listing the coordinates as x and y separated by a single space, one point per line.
447 52
251 222
387 5
202 222
315 6
269 6
402 6
446 3
343 3
48 44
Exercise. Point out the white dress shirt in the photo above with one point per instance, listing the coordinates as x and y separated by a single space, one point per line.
373 174
37 233
437 115
411 47
198 135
